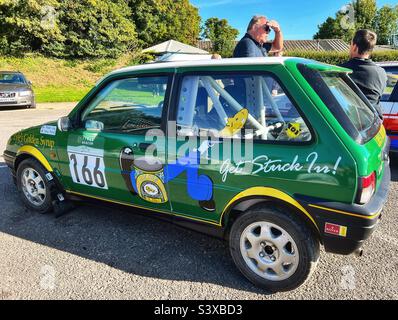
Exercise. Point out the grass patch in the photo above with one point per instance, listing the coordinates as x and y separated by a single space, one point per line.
57 80
138 97
61 94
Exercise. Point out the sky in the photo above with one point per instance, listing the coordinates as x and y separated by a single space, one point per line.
299 19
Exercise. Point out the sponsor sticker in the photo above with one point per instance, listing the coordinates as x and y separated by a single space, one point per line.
293 130
87 166
335 229
381 137
48 130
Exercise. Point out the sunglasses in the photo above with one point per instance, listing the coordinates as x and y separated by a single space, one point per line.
267 28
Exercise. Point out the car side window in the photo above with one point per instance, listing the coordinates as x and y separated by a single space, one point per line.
392 82
127 105
245 106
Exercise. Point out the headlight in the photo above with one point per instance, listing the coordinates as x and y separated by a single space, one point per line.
25 93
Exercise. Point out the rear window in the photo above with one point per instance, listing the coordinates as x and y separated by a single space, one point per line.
346 102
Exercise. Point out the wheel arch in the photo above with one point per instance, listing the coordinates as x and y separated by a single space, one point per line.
266 196
26 152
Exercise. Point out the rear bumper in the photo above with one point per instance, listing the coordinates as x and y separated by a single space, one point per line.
358 221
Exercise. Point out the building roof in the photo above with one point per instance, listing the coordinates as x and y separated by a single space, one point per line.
300 45
316 45
173 46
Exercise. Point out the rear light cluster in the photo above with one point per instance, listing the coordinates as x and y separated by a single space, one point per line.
366 188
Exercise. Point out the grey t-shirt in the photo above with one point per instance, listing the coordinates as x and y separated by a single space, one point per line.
370 78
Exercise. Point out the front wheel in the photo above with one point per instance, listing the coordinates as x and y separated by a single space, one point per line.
33 186
273 248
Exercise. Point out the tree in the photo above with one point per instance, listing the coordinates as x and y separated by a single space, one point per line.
93 28
365 14
330 29
387 23
27 25
359 14
66 28
222 36
161 20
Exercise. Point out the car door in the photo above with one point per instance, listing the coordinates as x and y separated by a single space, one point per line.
388 98
106 155
223 120
391 120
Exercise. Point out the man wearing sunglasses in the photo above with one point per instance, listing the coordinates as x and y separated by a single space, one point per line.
254 43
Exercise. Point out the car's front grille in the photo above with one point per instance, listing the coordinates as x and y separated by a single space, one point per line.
7 94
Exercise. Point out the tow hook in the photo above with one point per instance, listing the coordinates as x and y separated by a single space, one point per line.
358 253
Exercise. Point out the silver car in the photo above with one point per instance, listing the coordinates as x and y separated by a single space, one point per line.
15 90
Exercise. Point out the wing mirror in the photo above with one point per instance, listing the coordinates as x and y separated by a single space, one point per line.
64 124
93 125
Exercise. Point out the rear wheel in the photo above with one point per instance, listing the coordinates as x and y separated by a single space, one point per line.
273 248
33 186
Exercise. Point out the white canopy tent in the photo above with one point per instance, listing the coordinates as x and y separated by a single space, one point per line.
176 51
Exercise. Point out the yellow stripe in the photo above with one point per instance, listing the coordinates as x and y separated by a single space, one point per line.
346 213
268 192
37 155
141 207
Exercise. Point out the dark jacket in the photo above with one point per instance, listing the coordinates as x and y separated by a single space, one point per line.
370 78
248 47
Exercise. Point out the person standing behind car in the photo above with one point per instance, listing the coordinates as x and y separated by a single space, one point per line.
254 43
369 77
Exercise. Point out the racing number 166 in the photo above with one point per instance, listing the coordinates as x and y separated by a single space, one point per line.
87 170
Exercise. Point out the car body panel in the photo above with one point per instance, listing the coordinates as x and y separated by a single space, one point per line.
310 170
369 155
390 103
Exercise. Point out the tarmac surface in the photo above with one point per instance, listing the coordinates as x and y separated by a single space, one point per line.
96 252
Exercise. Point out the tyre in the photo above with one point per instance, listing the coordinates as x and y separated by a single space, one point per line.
273 248
33 186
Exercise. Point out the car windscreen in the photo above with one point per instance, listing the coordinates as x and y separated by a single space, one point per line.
346 102
11 78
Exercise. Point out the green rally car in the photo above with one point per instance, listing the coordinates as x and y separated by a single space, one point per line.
277 156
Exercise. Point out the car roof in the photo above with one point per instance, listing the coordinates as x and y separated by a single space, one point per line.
12 72
388 64
204 63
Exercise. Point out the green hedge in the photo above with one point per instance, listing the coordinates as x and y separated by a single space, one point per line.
341 57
